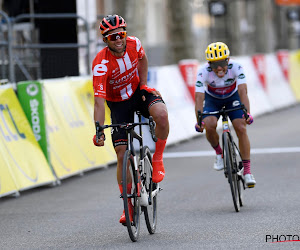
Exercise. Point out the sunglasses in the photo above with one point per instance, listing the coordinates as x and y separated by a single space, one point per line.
115 36
215 65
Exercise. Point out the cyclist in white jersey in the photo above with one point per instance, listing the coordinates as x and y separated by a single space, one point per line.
222 82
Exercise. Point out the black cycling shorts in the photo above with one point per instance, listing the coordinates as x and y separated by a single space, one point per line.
123 112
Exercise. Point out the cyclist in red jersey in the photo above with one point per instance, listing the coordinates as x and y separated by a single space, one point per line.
120 72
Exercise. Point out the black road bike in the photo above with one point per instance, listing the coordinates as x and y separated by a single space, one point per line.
138 188
233 165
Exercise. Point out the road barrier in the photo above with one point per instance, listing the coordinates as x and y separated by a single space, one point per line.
49 138
23 164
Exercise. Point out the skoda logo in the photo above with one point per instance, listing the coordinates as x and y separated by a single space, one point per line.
32 89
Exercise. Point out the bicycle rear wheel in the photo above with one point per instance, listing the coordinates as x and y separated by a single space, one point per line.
150 211
228 157
131 201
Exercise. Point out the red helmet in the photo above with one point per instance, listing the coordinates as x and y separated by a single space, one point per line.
111 22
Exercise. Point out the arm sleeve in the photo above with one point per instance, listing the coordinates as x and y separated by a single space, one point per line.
139 48
200 81
100 78
240 75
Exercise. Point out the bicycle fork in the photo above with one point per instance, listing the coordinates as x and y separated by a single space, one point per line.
226 129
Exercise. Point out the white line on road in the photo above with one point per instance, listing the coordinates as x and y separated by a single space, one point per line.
212 153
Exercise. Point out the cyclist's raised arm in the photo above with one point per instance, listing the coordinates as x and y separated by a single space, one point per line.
143 74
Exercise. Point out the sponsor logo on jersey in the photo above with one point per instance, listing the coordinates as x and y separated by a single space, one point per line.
213 84
101 86
241 76
230 65
100 69
229 81
199 84
124 79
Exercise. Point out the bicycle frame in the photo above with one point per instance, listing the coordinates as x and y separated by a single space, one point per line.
232 169
137 175
132 134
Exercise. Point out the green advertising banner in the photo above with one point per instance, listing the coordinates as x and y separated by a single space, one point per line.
31 98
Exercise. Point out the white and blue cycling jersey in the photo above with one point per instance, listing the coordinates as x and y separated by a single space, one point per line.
221 88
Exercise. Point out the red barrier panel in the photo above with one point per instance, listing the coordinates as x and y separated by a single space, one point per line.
260 66
283 58
188 69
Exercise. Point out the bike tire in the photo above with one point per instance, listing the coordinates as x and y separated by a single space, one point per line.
240 168
230 169
240 187
131 176
150 211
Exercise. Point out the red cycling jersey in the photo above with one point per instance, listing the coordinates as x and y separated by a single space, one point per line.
116 78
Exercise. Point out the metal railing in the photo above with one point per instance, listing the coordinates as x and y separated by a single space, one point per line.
6 44
13 48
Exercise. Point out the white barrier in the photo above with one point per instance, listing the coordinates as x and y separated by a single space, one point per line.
259 102
179 103
278 90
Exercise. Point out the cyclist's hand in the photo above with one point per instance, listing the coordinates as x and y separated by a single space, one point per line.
249 120
99 142
198 128
145 88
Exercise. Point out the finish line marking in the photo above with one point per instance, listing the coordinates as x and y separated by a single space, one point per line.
212 153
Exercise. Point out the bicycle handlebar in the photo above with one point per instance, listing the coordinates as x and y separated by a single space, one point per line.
127 126
222 112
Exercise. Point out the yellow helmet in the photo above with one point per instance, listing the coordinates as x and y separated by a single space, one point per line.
216 51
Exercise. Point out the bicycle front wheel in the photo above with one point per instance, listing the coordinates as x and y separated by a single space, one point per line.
150 211
240 169
230 170
131 201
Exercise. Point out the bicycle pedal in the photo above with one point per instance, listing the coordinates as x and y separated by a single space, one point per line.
121 196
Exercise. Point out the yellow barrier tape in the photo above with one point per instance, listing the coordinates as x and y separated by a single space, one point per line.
71 129
23 155
7 183
295 73
85 97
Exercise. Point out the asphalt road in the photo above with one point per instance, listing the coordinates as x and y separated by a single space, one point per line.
195 206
